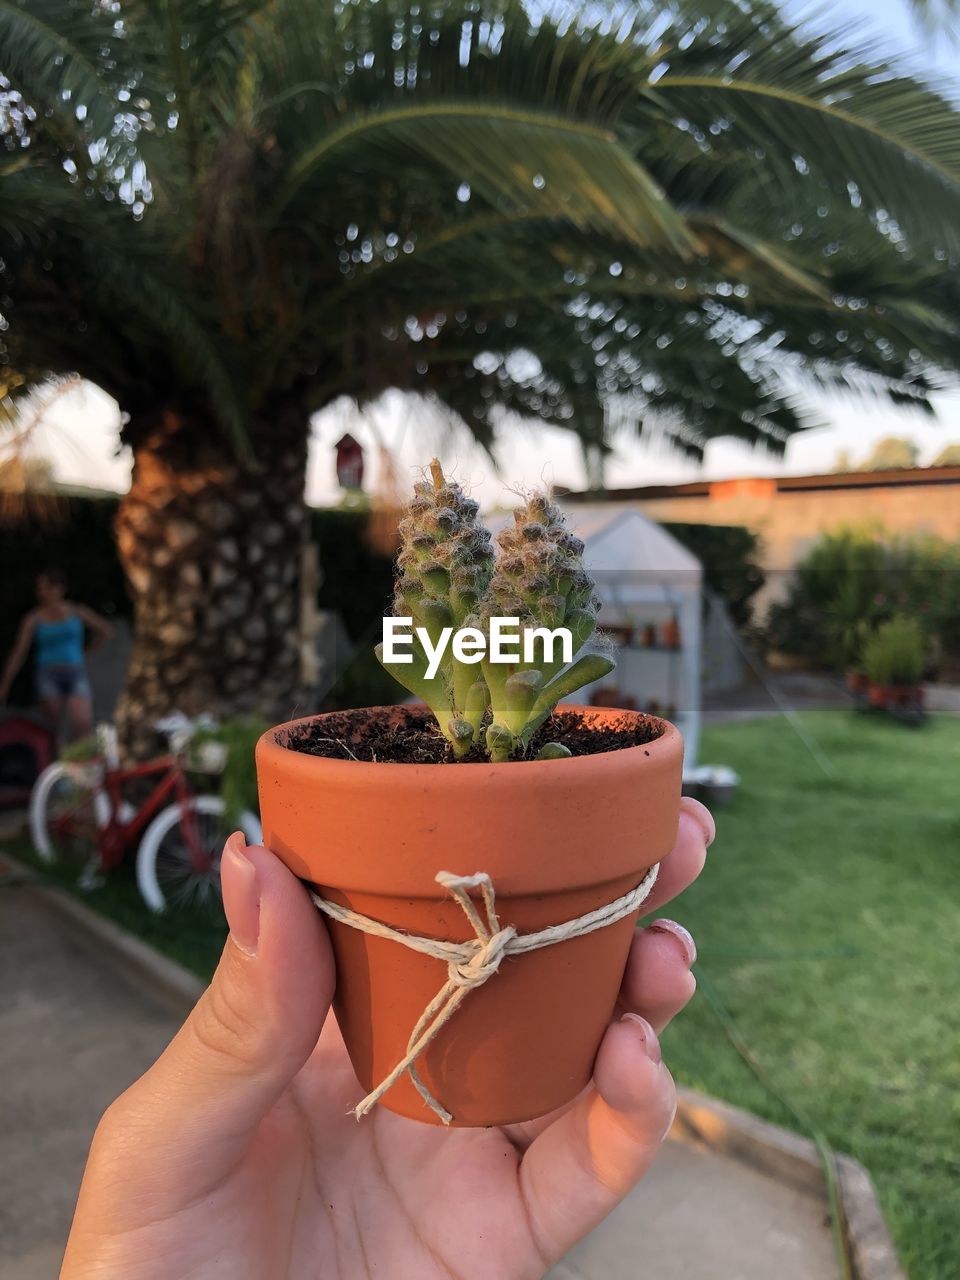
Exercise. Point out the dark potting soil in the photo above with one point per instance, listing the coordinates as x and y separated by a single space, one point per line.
410 736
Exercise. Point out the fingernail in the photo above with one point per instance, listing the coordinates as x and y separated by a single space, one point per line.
673 1116
651 1045
241 897
702 817
683 936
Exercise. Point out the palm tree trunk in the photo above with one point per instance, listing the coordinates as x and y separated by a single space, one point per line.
212 547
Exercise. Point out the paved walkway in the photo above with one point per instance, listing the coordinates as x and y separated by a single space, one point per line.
778 690
74 1033
803 691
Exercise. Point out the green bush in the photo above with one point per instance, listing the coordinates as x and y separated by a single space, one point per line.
238 781
357 582
894 653
729 555
852 580
363 683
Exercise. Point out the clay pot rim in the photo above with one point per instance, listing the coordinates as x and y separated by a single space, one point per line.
290 761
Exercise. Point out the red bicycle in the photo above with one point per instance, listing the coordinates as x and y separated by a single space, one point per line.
81 817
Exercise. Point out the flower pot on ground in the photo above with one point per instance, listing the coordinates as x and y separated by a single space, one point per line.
878 695
908 703
450 1008
902 695
558 838
893 662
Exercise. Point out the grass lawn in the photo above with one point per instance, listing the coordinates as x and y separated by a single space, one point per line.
195 939
828 921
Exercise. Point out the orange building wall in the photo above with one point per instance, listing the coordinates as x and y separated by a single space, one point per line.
788 521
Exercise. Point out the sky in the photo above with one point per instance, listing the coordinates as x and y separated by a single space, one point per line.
79 431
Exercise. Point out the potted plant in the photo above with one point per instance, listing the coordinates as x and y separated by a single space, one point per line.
670 633
481 857
893 662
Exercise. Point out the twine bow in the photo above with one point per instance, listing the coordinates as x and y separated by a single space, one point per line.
472 963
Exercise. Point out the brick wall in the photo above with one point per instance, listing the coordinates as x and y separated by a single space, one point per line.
788 513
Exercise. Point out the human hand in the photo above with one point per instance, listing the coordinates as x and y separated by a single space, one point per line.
235 1155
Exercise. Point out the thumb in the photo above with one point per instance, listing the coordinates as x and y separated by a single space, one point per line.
252 1029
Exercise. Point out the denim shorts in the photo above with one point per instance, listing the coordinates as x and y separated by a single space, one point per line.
62 682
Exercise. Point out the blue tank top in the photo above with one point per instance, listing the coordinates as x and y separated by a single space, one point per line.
60 644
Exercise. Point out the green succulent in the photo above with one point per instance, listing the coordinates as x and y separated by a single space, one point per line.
539 578
449 579
444 568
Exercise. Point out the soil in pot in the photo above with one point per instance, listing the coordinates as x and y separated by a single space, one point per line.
558 838
413 737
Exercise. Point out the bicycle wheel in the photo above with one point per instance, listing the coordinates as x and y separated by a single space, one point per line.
66 813
166 874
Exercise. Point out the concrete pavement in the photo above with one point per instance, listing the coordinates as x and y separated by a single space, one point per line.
74 1031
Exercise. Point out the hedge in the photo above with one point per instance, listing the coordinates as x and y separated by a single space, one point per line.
729 555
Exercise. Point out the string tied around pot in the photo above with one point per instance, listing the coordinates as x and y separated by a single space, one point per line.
472 963
493 940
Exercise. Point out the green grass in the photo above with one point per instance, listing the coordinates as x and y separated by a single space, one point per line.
194 938
827 921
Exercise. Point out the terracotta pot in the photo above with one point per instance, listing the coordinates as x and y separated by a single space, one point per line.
670 634
559 838
878 695
906 695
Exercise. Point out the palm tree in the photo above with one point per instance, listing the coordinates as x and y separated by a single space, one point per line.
227 213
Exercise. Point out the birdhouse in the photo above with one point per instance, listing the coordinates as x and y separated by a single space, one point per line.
349 463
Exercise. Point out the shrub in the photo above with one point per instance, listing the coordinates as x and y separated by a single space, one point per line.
852 580
894 653
357 581
729 555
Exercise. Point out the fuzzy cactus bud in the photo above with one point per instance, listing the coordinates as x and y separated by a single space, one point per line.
539 577
445 562
448 579
500 743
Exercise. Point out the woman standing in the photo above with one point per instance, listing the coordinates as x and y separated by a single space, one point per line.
56 628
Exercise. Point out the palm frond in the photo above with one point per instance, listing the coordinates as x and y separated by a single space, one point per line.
527 162
667 219
820 104
52 53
